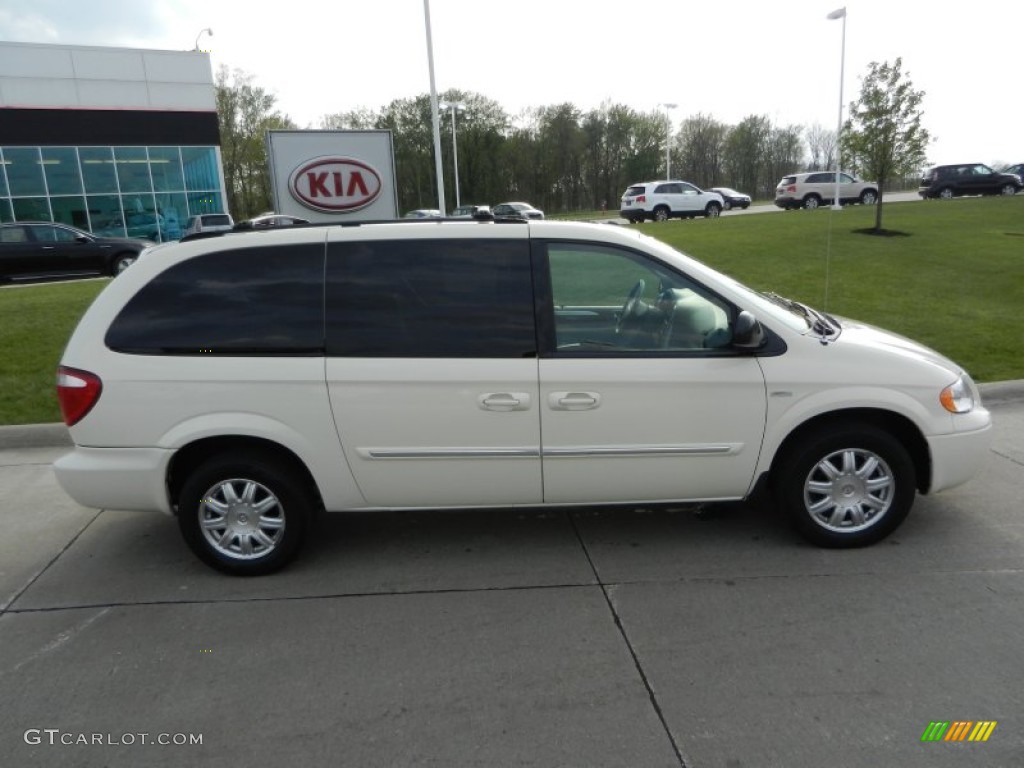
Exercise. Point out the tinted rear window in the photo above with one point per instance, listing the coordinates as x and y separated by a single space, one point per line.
634 191
260 301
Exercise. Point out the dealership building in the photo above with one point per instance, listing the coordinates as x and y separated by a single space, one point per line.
114 141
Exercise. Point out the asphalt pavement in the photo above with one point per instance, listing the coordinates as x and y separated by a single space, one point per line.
690 637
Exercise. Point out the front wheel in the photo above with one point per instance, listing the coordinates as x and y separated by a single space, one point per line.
1008 189
846 486
713 210
244 515
811 202
661 213
121 262
868 197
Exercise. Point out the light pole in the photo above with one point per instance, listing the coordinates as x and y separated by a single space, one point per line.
455 106
839 13
208 31
436 119
668 139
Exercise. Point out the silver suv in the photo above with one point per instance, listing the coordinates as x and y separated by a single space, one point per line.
811 190
662 200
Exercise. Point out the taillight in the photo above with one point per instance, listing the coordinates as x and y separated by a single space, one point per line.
642 199
78 391
791 188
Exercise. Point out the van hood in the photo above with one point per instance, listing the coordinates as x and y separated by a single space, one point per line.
870 336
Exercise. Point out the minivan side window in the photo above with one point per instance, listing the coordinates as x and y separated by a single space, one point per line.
430 298
251 301
609 301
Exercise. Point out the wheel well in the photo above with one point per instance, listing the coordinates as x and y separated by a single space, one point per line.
898 426
189 457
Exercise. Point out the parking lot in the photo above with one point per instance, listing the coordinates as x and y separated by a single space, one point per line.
669 637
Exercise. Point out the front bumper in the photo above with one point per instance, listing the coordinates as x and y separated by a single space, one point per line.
957 457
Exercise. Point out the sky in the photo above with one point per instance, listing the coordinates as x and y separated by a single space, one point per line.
727 60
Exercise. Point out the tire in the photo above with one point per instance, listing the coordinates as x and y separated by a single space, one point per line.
846 485
1007 190
811 202
868 197
946 193
661 213
121 262
726 206
713 211
245 515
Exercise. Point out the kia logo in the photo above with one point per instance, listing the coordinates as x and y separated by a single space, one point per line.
335 184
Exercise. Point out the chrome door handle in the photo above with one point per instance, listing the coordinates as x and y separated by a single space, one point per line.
573 401
504 401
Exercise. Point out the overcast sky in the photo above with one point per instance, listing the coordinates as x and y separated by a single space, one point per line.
724 59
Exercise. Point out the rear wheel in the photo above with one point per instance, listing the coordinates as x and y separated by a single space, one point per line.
811 202
245 515
726 206
846 486
946 193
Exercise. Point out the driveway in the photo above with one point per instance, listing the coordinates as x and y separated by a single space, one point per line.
685 637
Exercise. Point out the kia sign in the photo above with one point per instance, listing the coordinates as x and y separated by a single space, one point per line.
335 184
330 176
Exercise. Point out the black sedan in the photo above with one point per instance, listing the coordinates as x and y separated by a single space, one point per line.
731 198
43 249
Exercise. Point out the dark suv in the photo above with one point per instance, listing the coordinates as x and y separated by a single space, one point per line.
948 181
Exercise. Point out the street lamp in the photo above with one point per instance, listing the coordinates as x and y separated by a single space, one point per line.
207 31
435 118
839 13
668 139
455 106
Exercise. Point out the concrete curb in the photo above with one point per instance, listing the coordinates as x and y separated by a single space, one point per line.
56 435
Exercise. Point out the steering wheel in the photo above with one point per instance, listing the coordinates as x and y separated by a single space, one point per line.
629 309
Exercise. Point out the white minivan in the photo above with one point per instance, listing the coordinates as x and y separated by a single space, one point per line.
488 364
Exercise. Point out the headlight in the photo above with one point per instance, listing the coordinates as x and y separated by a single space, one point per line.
957 397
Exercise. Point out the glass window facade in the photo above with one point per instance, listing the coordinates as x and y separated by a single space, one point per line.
145 192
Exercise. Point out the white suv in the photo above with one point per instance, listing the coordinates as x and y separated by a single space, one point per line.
811 190
488 364
662 200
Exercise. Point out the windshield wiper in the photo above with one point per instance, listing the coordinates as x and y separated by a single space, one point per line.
819 322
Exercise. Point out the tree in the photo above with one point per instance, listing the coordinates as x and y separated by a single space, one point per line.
883 136
245 113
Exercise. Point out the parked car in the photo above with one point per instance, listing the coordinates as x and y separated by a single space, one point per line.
811 190
663 200
1017 170
270 221
948 181
424 213
208 222
517 211
461 364
144 225
37 249
731 198
471 211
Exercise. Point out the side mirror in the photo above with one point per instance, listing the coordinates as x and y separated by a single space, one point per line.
748 333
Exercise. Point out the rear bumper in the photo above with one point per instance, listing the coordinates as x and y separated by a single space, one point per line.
116 478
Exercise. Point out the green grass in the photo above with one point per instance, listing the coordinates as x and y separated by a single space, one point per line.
35 323
954 281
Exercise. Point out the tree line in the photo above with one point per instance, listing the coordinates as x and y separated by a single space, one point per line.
558 157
